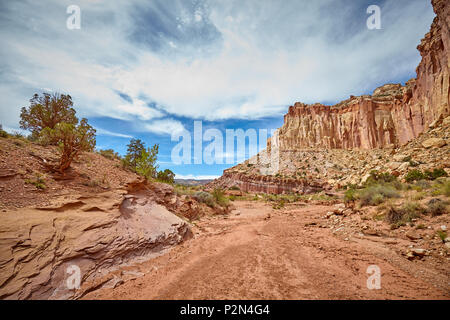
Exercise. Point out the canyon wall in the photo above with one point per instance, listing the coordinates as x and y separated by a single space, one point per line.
392 115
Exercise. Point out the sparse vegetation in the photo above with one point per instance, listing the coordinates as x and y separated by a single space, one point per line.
414 175
442 235
377 177
376 194
436 207
38 181
220 198
279 204
399 216
109 154
166 176
205 197
3 133
417 175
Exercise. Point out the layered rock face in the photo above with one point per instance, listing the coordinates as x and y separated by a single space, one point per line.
42 247
265 184
392 116
322 145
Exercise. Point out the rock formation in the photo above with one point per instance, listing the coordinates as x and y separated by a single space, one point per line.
95 233
392 115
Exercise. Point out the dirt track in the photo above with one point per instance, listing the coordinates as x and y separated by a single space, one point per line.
262 253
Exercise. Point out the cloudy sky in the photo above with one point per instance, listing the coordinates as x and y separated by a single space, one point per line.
148 69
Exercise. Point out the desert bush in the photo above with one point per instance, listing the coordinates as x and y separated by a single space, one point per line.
380 177
436 173
235 188
141 160
441 187
422 185
414 175
3 134
109 154
205 198
399 216
417 175
146 164
166 176
436 207
393 215
220 198
407 159
350 195
184 190
376 194
279 204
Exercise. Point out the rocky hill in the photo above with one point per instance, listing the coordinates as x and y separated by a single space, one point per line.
97 217
326 146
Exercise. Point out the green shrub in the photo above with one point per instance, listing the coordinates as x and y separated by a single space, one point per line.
441 186
205 197
380 177
407 159
220 198
376 194
413 164
436 173
109 154
279 204
399 216
350 195
166 176
3 134
414 175
235 188
38 181
417 175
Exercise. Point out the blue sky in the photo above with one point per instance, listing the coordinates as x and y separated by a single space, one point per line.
147 69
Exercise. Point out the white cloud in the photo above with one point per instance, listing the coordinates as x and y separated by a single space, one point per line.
104 132
163 126
268 56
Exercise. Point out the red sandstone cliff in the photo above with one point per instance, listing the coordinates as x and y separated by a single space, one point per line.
393 115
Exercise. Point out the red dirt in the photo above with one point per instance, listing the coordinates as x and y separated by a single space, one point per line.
261 253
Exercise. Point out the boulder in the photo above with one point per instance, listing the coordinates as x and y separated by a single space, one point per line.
434 143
